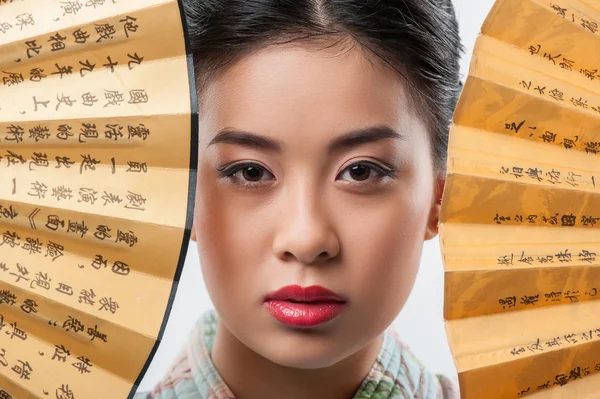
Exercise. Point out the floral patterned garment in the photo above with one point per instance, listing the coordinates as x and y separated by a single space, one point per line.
396 374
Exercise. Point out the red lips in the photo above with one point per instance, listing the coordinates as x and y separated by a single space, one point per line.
295 293
304 307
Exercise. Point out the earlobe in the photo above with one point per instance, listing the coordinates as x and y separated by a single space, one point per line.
193 236
433 222
436 209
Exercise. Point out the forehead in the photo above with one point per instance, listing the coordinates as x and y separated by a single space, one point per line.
300 90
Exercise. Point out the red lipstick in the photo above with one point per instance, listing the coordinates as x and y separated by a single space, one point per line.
304 307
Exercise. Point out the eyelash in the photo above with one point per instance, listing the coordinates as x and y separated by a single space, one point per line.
228 172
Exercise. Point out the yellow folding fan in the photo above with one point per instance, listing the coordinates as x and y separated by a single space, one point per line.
520 229
97 174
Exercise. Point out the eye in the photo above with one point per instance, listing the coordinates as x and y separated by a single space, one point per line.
362 171
246 174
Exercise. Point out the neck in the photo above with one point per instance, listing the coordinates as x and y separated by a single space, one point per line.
251 376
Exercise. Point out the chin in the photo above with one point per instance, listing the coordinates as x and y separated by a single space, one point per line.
303 361
310 352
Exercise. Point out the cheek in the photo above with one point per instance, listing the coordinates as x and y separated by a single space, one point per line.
386 249
226 232
215 230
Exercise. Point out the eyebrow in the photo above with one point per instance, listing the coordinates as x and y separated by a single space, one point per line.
348 140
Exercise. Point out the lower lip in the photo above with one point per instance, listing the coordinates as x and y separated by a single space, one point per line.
304 314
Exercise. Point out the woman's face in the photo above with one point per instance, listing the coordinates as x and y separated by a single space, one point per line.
327 180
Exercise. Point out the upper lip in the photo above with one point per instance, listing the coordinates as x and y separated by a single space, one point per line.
296 293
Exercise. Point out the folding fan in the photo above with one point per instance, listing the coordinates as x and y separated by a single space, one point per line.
520 225
97 174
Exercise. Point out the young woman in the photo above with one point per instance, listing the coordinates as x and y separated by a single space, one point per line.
323 137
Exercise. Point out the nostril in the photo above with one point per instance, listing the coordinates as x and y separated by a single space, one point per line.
288 255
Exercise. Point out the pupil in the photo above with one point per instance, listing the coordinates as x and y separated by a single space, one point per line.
359 172
253 174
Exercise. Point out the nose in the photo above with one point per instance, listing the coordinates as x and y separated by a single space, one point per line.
305 232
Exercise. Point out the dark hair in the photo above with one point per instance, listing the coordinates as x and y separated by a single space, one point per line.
418 38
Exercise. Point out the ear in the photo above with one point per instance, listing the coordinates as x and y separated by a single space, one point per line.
193 236
435 211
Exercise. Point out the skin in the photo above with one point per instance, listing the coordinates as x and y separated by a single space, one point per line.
306 218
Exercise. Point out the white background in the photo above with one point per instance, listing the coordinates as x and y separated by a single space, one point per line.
420 323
